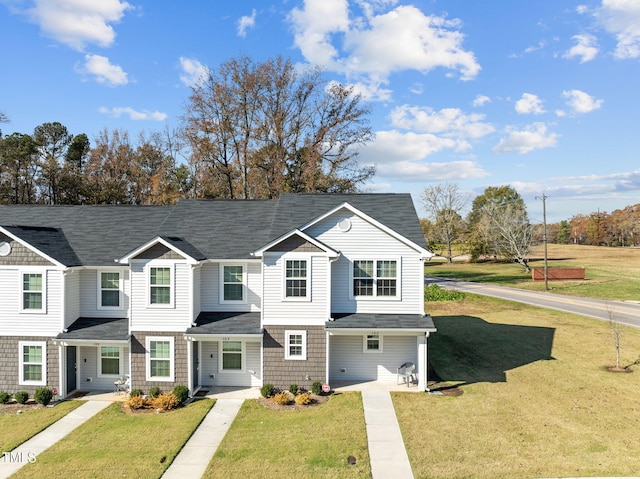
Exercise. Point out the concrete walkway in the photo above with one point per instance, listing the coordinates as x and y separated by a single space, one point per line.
386 447
29 450
194 457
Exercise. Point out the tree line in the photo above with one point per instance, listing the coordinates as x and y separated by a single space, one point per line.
249 130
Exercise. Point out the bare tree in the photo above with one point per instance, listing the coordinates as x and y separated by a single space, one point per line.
444 203
509 232
617 333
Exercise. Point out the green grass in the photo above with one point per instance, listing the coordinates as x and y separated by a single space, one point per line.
610 273
117 444
17 428
537 398
313 442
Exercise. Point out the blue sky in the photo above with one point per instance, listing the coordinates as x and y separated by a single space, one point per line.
539 95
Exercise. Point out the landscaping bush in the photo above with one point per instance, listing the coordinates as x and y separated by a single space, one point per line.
316 388
267 390
43 396
21 397
135 392
4 397
154 392
282 398
293 389
303 398
137 402
433 292
181 393
165 402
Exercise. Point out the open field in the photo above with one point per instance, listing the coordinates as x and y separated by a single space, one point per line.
611 273
537 400
117 444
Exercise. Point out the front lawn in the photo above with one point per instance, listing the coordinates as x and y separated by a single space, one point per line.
537 400
117 444
313 442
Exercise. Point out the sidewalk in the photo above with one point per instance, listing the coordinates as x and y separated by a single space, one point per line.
386 448
29 450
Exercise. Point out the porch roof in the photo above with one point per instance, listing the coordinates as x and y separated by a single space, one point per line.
96 329
371 321
227 323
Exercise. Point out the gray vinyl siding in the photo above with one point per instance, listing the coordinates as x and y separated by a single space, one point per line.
210 288
88 357
281 311
210 366
89 295
366 241
346 352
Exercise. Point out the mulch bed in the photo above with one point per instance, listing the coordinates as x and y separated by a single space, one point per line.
13 407
315 401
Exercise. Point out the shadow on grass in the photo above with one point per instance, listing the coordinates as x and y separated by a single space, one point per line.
468 350
479 277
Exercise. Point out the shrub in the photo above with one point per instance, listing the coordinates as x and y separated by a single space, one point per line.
21 397
137 402
154 392
433 292
43 396
165 402
4 397
135 392
282 398
181 393
267 390
316 388
293 389
303 398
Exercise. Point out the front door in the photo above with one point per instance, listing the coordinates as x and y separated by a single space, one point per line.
196 364
72 366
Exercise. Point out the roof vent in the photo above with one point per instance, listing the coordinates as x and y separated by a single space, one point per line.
344 225
5 248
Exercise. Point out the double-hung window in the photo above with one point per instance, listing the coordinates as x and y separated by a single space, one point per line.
109 289
160 354
231 355
109 361
160 285
296 279
33 363
233 283
375 278
32 291
372 343
296 345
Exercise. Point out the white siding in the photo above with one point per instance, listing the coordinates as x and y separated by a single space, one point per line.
13 322
346 352
160 318
210 288
280 311
209 365
72 297
197 281
366 241
87 357
89 295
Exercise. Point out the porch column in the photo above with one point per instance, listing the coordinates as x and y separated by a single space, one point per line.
423 363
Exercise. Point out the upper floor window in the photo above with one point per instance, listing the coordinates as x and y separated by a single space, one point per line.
32 292
160 285
109 289
296 278
33 363
375 278
233 283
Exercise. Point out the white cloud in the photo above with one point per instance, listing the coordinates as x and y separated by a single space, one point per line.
373 47
449 122
393 146
529 104
481 100
414 171
193 72
533 137
582 9
585 48
622 19
246 22
117 112
581 102
103 70
77 23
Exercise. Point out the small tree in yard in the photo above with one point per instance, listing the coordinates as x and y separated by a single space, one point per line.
615 329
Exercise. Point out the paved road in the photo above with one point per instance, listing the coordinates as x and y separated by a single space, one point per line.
624 312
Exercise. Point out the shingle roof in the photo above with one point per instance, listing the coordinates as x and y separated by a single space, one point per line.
226 323
97 329
95 235
372 321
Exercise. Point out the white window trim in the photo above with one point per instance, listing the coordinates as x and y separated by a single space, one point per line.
375 296
42 310
371 351
120 361
295 257
222 283
43 345
287 339
172 280
120 290
243 354
172 354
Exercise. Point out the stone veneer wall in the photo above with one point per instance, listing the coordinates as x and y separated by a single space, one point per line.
281 372
9 371
139 365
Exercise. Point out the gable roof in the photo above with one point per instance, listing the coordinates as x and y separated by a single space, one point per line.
95 235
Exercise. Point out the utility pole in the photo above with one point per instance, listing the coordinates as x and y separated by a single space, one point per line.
544 239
